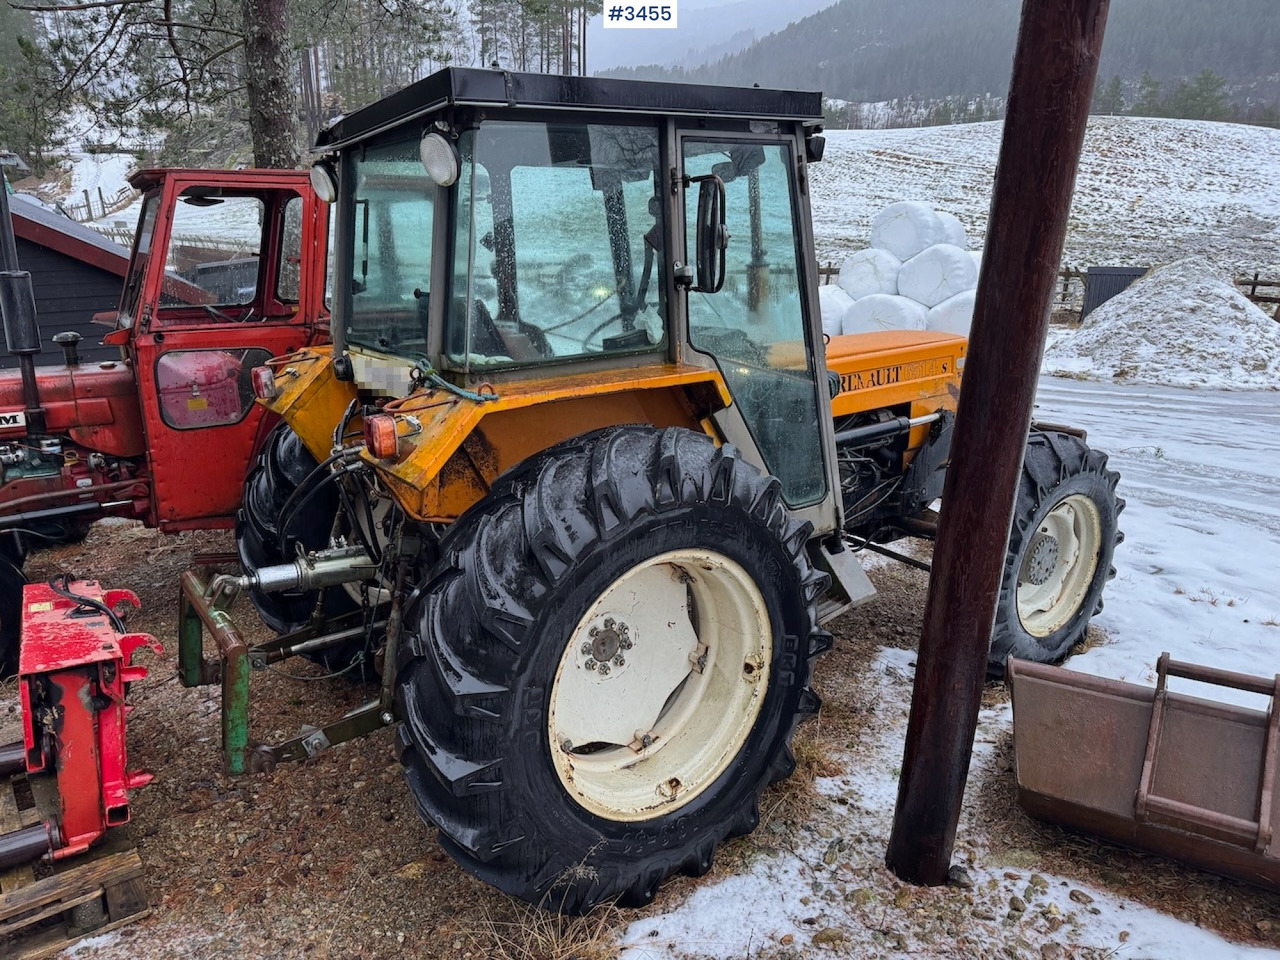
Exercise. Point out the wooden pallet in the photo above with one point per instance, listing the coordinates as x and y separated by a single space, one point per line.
86 896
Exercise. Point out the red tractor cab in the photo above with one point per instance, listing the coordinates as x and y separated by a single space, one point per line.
227 270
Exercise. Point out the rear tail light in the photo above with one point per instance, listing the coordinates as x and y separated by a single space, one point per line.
264 383
380 436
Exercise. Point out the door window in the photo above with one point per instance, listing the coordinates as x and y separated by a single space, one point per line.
289 277
391 249
213 250
755 326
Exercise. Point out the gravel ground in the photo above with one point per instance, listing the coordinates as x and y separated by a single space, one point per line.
327 858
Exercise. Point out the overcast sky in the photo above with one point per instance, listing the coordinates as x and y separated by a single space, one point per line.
703 24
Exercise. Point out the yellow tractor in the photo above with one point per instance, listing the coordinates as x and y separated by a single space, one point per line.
580 477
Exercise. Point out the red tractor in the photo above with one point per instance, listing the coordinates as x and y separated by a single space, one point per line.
227 271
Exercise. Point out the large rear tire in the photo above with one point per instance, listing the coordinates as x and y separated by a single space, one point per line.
1063 537
282 466
608 666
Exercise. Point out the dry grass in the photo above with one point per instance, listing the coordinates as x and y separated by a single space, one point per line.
532 933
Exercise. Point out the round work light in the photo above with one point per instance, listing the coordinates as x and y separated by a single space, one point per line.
439 159
323 182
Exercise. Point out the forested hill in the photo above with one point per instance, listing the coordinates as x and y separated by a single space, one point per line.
872 50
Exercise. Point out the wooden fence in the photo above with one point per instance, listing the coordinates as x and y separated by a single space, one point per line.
1250 287
93 207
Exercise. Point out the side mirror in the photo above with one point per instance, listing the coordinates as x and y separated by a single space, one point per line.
713 236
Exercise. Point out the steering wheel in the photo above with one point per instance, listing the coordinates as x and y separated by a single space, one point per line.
217 314
596 331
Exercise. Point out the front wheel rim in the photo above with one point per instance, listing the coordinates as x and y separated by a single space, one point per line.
1059 565
660 684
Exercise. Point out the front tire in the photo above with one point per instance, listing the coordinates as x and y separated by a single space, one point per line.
609 663
1063 537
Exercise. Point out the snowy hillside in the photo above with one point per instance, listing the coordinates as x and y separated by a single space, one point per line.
1149 191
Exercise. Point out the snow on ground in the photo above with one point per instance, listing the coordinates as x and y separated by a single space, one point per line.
1199 571
93 171
1198 576
1182 325
1149 191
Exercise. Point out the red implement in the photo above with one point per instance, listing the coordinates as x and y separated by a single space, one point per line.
73 673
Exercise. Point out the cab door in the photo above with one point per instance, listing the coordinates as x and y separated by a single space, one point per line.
756 316
241 280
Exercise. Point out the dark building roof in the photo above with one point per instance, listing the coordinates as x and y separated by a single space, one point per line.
458 86
75 273
53 230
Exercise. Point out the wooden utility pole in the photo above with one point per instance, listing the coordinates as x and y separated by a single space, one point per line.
1053 76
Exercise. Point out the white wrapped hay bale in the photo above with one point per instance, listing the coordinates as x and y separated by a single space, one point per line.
937 274
834 302
882 311
906 228
953 315
953 230
869 272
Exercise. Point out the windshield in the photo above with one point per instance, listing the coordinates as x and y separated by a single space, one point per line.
391 250
558 244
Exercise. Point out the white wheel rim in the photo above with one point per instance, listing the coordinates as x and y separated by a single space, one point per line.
640 738
1059 565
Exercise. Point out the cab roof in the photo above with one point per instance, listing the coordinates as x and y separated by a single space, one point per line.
150 177
471 87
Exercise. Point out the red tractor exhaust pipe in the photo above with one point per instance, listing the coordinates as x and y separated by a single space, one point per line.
18 311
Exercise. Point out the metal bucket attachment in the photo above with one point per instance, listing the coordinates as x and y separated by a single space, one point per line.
1180 776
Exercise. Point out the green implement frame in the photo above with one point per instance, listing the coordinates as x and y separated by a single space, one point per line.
206 606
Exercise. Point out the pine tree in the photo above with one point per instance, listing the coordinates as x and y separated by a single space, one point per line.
1108 99
1148 103
29 119
1206 97
155 64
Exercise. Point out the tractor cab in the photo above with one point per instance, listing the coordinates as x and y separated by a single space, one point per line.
499 231
227 270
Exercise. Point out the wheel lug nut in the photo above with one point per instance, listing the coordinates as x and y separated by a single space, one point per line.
586 649
604 669
609 623
593 632
590 664
619 660
625 644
